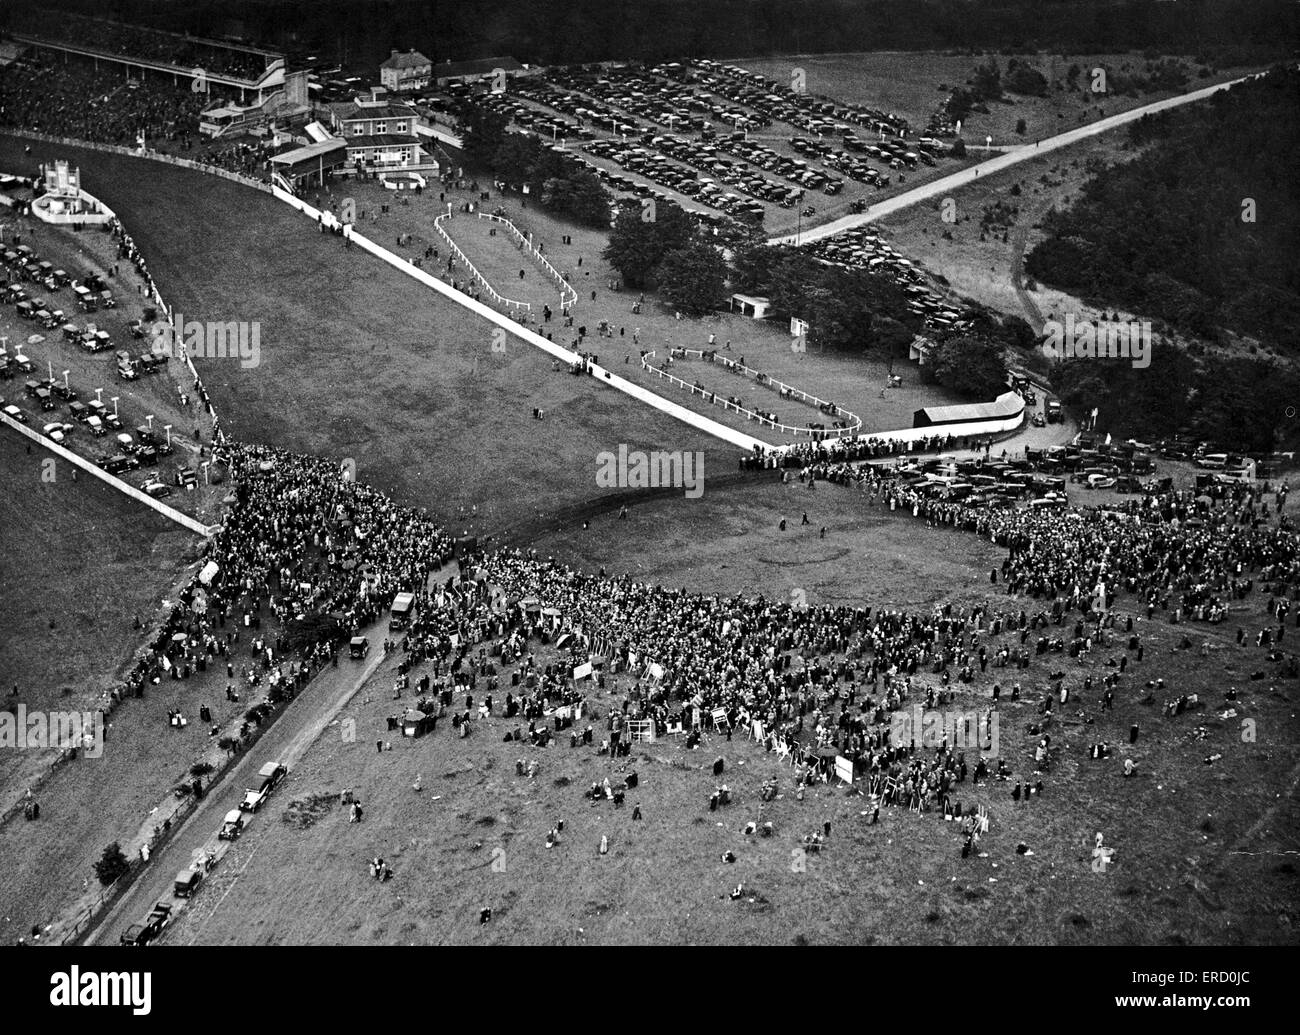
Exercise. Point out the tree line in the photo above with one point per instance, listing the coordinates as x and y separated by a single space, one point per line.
1200 229
360 33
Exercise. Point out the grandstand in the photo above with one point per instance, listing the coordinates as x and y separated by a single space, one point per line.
248 72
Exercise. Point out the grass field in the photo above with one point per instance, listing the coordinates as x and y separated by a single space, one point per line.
851 382
357 361
909 83
977 264
472 837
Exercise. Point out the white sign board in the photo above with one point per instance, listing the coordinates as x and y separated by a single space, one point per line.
844 768
582 671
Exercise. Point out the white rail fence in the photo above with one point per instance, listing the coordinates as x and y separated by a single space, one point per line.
509 303
568 296
171 514
782 389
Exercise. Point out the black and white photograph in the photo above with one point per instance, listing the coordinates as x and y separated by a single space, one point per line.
645 474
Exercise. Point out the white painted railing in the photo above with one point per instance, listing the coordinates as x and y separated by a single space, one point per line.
852 429
568 296
496 296
170 513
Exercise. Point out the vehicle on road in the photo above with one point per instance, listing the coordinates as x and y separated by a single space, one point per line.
232 826
267 777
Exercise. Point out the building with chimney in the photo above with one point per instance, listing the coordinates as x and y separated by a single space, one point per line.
403 71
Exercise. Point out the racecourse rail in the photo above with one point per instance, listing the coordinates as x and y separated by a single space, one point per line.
711 427
782 389
568 296
500 299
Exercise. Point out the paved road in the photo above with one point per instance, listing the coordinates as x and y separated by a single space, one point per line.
1011 157
306 717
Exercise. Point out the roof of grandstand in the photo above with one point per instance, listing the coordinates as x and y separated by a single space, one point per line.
309 153
136 44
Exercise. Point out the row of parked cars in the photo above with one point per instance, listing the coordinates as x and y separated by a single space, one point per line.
977 483
779 102
188 881
146 448
863 248
605 97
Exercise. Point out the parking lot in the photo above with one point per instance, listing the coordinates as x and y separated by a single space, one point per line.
741 146
77 363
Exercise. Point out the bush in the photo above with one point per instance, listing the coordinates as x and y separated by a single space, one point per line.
112 864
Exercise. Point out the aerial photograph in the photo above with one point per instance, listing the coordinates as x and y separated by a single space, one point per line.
649 474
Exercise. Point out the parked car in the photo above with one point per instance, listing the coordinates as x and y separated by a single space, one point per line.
118 463
232 826
14 413
267 778
150 927
156 489
358 647
186 883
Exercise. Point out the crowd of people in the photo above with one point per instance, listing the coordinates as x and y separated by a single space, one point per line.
137 41
102 106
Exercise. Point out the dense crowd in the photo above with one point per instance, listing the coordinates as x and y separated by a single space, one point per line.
136 41
311 553
75 100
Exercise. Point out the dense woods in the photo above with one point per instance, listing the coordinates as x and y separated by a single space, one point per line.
1200 230
360 33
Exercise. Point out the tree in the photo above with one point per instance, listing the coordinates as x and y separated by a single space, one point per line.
1026 81
753 261
227 744
987 82
482 133
1020 127
694 278
201 769
637 245
958 149
793 276
970 365
111 865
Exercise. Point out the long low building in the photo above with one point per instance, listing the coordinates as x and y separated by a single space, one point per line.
1008 406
